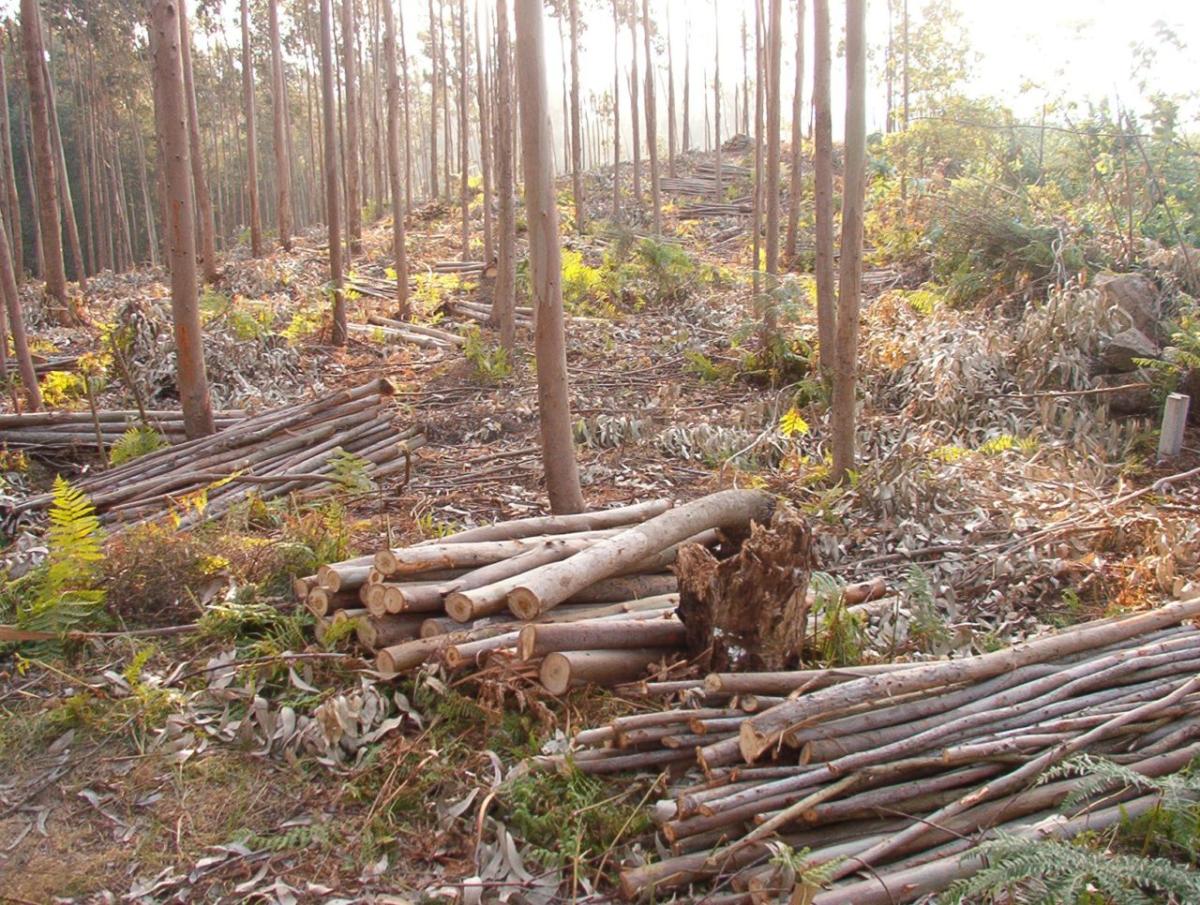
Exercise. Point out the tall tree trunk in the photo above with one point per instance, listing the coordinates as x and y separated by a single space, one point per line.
352 161
823 188
504 299
576 134
46 170
283 163
686 138
795 188
904 80
171 116
39 250
256 248
651 123
444 66
399 253
745 75
774 63
485 146
208 229
12 202
16 325
616 199
842 414
464 156
408 174
147 202
633 108
671 149
70 224
558 445
756 216
332 212
433 93
717 98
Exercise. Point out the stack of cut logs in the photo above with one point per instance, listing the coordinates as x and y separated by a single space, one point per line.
480 313
585 598
901 770
281 451
73 430
44 365
403 331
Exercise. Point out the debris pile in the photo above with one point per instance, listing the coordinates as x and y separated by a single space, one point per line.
338 438
897 768
584 598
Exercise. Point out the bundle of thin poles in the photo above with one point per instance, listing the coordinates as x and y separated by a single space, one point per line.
899 770
576 599
277 452
90 430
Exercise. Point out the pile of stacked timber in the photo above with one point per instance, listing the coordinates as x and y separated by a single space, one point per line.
43 365
276 452
481 313
708 170
73 430
712 209
402 331
901 770
577 599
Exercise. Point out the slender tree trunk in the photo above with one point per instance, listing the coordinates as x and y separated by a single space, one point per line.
408 174
171 115
795 188
717 98
70 224
576 134
633 108
54 272
686 138
904 88
333 214
756 216
400 254
464 155
16 325
433 93
256 247
558 445
745 75
651 123
445 70
616 199
485 147
353 163
39 250
774 64
823 188
12 202
671 148
147 202
283 163
208 229
504 299
842 415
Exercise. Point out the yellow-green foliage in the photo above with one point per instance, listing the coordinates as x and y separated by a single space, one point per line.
305 322
583 287
66 587
62 388
491 363
135 442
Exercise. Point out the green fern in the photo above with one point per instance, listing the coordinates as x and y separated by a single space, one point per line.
134 443
66 594
1056 872
351 471
841 634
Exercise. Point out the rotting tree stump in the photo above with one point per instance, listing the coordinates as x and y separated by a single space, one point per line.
748 612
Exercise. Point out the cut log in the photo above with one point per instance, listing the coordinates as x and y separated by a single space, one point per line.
376 632
550 585
539 640
564 670
469 555
562 524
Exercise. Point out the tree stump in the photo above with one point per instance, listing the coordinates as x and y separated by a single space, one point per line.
748 612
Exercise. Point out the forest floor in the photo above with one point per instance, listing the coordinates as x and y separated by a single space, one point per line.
992 497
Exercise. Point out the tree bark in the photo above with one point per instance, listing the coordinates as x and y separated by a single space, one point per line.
823 189
70 224
651 124
774 61
576 134
408 175
616 198
504 300
256 248
12 208
54 270
686 137
633 106
16 325
720 192
464 156
485 147
399 253
795 189
39 256
283 163
332 212
208 229
671 147
433 93
353 162
845 374
558 444
171 116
